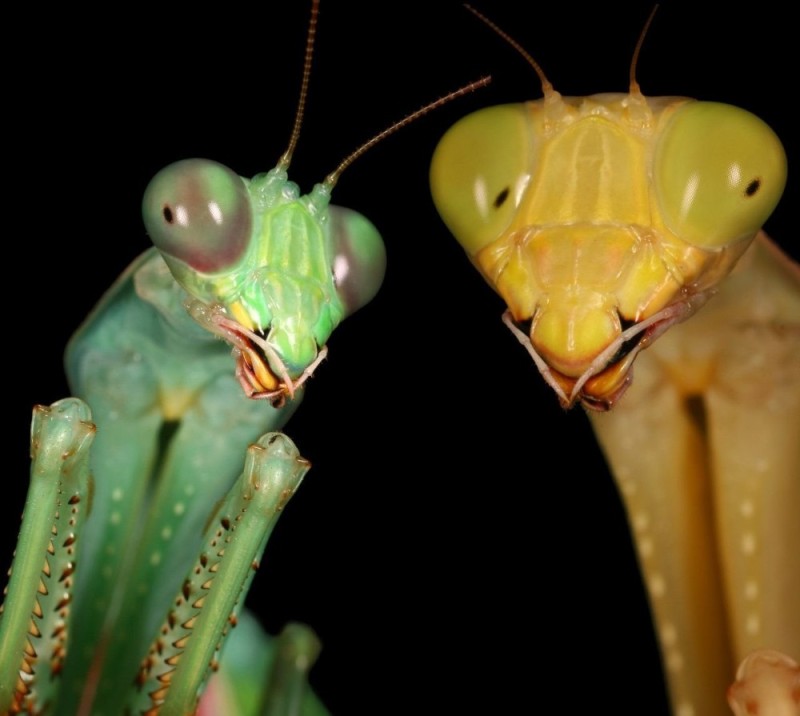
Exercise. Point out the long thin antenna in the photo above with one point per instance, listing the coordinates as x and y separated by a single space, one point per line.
286 157
547 88
635 89
333 177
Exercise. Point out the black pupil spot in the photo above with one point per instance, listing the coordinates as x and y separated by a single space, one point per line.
752 187
501 198
168 215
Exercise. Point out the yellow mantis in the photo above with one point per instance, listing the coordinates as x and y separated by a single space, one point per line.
150 117
596 217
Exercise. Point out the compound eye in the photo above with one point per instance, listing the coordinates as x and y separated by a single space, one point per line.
719 172
198 211
359 258
479 173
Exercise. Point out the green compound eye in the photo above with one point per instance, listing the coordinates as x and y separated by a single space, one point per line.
198 211
479 173
719 172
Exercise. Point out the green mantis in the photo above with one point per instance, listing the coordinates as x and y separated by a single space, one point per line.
273 273
332 553
167 534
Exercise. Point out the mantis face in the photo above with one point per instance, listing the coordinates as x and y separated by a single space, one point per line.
604 220
270 271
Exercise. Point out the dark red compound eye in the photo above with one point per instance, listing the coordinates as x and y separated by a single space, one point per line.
359 258
198 211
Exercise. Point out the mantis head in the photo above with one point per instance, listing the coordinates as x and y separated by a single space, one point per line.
603 220
269 270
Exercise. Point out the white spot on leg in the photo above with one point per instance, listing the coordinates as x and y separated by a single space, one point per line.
748 543
746 508
657 585
673 660
115 518
684 710
751 589
669 635
753 624
155 558
166 532
641 521
117 494
179 508
645 547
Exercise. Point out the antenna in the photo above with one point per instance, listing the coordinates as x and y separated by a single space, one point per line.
635 89
547 88
333 177
286 157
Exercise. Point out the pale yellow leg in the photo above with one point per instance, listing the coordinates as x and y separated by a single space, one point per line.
705 448
663 482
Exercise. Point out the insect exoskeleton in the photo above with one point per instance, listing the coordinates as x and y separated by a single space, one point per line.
603 220
269 270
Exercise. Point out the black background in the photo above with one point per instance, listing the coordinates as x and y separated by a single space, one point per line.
458 542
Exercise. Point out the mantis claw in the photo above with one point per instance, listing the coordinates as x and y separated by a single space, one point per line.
35 619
